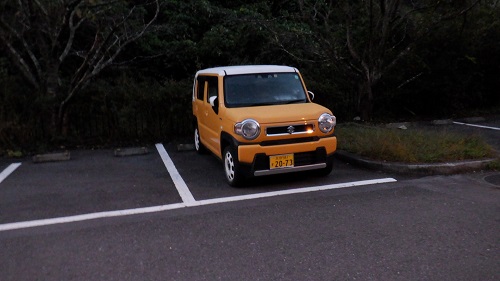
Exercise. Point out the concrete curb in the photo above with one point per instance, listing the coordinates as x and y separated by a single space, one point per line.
429 169
121 152
185 147
442 122
52 157
472 119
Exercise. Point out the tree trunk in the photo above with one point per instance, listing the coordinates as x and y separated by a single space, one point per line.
62 120
59 120
53 99
365 101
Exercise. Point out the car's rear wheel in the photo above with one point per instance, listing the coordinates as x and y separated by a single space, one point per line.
197 143
232 166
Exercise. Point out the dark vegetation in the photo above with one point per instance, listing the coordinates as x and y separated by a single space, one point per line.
99 72
415 145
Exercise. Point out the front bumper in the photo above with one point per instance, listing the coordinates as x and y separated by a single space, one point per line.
308 155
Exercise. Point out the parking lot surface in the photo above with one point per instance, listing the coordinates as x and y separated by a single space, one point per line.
92 181
100 217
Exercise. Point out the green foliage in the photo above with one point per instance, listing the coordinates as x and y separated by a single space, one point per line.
451 68
457 64
494 165
129 109
14 154
199 34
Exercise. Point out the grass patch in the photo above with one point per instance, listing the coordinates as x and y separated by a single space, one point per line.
412 145
495 165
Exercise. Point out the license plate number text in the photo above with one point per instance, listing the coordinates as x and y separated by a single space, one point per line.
281 161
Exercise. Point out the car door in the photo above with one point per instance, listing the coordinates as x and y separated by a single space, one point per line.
210 122
198 97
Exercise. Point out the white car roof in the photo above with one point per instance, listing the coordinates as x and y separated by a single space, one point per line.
246 69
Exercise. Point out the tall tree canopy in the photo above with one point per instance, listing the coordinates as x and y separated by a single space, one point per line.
366 39
368 58
59 46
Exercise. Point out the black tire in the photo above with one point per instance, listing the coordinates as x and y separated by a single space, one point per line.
232 171
327 170
198 146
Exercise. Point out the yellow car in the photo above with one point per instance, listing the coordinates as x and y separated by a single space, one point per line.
260 120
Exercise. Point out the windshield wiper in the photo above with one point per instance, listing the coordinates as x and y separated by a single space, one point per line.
262 104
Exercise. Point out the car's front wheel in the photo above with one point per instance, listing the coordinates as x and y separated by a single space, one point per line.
232 166
327 170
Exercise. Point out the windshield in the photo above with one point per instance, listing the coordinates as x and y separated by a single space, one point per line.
263 89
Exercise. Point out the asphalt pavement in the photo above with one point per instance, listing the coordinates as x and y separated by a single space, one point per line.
147 217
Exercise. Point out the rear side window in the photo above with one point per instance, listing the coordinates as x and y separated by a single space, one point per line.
213 88
200 81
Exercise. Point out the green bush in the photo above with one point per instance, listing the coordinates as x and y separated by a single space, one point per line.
139 109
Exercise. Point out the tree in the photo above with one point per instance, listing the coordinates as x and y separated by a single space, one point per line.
197 34
60 46
367 38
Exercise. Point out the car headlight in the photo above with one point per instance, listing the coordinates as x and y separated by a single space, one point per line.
249 129
326 122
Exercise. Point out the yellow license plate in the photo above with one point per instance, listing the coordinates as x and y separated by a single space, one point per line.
281 161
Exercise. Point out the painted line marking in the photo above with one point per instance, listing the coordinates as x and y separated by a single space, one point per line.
478 126
153 209
187 197
181 186
9 170
91 216
294 191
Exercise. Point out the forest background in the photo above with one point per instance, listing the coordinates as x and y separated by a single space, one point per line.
120 72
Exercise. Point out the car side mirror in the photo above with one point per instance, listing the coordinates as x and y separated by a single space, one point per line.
311 94
214 103
212 100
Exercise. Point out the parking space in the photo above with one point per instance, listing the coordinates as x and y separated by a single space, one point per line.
96 184
92 181
205 177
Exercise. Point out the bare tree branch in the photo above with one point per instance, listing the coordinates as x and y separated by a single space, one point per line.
105 52
40 35
26 70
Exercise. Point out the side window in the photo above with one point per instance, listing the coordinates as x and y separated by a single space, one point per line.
213 87
213 91
200 82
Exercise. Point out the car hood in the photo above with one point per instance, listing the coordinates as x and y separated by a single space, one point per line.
277 113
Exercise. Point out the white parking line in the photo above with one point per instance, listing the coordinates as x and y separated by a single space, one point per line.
181 186
478 126
91 216
294 191
11 168
187 197
153 209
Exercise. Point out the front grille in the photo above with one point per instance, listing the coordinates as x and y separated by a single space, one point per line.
288 141
289 130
